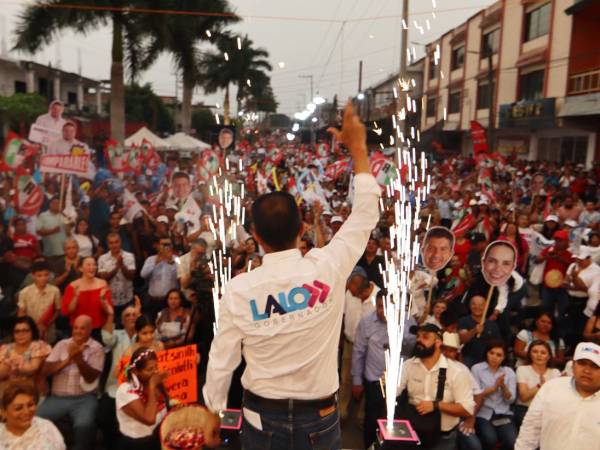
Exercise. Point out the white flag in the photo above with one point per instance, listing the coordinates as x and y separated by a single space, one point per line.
131 205
69 212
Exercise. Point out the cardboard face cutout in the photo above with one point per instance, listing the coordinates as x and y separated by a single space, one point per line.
498 262
438 248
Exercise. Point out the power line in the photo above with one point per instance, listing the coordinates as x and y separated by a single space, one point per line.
136 10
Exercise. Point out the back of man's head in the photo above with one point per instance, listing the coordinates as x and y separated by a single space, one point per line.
277 220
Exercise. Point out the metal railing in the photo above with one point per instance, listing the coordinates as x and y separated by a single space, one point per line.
585 82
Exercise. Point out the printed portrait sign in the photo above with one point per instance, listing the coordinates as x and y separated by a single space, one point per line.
498 262
438 248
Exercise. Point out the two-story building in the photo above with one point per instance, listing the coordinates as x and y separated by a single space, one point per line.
535 51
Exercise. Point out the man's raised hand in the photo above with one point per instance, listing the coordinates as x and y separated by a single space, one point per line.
354 136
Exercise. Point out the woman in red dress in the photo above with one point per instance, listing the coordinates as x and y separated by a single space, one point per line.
88 295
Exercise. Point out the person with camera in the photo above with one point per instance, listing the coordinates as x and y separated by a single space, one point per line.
160 271
437 391
188 266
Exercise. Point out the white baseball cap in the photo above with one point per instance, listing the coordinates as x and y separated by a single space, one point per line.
583 253
551 218
587 350
571 223
335 219
162 219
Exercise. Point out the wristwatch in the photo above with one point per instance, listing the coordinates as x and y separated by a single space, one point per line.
436 405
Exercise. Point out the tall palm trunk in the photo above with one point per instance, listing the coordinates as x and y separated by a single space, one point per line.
117 85
226 108
186 103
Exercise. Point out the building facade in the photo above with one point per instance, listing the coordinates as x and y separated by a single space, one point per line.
520 62
78 93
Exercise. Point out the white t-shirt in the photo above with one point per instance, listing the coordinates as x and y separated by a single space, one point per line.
588 275
129 426
528 376
527 337
86 248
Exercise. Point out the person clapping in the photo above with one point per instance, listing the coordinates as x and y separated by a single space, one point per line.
141 402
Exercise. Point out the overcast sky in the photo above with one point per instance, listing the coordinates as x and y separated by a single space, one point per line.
319 44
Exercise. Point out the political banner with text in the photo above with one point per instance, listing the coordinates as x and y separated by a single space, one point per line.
67 164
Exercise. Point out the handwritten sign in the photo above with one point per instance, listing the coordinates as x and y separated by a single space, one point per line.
182 382
76 164
43 135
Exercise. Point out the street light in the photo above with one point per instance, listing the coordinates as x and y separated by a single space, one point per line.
360 96
290 136
318 100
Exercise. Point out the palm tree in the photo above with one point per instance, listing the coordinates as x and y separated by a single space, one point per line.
237 62
179 35
39 24
260 96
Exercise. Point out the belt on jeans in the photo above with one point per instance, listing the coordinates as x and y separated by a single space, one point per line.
291 405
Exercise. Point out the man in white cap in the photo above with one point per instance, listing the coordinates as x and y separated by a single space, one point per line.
581 277
564 413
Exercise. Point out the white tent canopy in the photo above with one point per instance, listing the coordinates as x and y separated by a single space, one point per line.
186 142
144 133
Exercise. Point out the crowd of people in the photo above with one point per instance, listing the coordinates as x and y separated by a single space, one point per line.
87 301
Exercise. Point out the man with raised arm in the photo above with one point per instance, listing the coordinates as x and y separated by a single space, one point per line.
285 318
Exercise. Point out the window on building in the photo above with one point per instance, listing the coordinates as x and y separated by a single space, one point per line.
43 86
563 150
532 85
430 111
458 57
72 98
490 43
537 22
483 94
432 69
20 87
454 102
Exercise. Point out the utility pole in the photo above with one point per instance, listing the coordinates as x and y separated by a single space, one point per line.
491 89
400 104
312 128
360 92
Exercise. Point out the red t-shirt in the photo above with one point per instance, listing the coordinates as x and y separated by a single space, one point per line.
24 245
88 304
462 251
560 262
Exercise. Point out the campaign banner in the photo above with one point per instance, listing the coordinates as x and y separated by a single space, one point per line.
384 171
180 362
67 164
480 144
29 196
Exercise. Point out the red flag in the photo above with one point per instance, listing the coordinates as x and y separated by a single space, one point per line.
480 144
465 225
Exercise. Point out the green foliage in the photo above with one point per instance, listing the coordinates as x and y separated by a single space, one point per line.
143 105
202 119
248 64
20 109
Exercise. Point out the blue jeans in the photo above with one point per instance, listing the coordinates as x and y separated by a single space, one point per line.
490 435
291 431
81 409
470 442
558 298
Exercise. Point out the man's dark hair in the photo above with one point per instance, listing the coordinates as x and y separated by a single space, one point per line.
439 232
39 265
277 220
448 318
180 175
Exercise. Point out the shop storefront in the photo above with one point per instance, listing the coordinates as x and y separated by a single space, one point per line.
537 130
